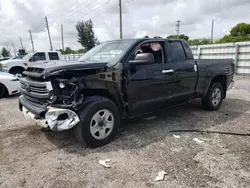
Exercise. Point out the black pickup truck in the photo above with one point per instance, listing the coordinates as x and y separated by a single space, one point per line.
120 79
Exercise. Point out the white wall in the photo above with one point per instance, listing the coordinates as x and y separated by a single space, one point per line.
239 51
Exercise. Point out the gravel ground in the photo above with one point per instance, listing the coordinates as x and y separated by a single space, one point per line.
30 157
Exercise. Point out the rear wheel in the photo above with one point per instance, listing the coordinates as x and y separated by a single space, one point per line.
214 97
3 91
99 123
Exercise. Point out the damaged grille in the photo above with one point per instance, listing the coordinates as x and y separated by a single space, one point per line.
37 70
34 72
36 91
34 88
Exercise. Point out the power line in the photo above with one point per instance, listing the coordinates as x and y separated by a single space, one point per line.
66 10
74 11
76 16
109 10
103 12
178 28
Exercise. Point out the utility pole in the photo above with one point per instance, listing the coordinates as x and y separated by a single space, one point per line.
31 41
212 32
120 7
62 37
21 42
178 28
46 20
14 50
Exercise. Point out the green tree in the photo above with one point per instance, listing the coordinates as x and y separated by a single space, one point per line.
68 50
86 36
182 36
81 51
22 52
157 37
241 29
5 52
199 41
230 38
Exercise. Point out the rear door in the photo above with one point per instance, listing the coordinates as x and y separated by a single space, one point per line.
149 87
185 71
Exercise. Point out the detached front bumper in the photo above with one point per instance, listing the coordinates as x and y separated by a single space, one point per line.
56 119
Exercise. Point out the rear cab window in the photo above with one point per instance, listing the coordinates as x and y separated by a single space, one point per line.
53 56
178 53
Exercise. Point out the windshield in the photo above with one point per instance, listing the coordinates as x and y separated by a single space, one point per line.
28 56
18 57
107 52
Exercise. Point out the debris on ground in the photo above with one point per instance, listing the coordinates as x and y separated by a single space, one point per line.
161 176
198 140
105 163
176 136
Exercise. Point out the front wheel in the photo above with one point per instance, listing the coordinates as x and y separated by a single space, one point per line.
3 91
214 97
99 122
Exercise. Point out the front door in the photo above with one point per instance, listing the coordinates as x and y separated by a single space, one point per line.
149 86
38 58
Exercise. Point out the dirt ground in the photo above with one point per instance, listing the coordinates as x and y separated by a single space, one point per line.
31 157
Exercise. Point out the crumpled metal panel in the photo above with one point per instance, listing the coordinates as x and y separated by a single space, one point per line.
51 117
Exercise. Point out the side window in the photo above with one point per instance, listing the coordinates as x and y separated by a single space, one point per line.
178 53
39 56
53 56
155 48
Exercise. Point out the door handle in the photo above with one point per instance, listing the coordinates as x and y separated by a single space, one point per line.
167 71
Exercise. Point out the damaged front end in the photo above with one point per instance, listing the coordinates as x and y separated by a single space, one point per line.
53 96
52 103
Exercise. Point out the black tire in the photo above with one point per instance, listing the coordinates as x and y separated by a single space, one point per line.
3 91
207 102
82 129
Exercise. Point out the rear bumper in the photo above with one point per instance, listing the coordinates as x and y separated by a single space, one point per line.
56 119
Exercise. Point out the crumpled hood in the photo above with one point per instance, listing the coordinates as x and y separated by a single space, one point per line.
60 67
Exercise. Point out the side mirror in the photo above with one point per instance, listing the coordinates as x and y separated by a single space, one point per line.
143 59
31 59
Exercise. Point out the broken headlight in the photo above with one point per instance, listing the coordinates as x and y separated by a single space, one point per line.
65 90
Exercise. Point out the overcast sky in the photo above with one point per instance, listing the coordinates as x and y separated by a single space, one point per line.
140 18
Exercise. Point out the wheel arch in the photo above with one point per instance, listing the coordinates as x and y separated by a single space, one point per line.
16 68
101 94
222 79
